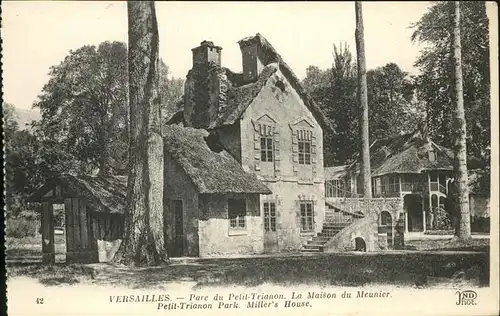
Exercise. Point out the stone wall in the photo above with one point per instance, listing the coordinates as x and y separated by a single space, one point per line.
216 236
366 228
289 184
179 187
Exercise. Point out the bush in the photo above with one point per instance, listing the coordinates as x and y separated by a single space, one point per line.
442 219
21 227
480 224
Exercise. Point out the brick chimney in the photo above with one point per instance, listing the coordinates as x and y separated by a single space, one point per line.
205 87
251 51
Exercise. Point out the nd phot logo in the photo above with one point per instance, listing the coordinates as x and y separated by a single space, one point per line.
467 297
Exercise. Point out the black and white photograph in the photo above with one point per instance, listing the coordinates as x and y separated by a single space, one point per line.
323 158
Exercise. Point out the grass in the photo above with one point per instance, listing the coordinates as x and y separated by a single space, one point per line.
414 269
31 246
448 244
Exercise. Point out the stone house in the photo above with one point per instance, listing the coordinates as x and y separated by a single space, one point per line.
212 206
270 125
411 167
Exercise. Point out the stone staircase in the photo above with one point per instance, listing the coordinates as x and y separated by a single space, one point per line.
336 219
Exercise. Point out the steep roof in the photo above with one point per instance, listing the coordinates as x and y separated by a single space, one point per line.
407 153
336 172
239 98
210 171
104 194
271 56
241 94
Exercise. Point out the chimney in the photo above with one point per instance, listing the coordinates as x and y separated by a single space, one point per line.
205 88
205 53
251 51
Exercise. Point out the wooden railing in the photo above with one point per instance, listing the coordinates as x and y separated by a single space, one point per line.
332 191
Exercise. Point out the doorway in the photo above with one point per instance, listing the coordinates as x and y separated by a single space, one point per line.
413 205
179 228
60 232
270 227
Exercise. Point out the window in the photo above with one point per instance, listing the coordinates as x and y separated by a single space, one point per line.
306 216
385 218
237 211
269 216
304 152
266 148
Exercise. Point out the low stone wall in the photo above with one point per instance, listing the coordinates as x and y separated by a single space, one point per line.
367 227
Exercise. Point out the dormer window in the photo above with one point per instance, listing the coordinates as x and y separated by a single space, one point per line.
281 85
432 154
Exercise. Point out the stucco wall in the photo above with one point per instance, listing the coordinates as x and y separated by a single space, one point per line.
288 181
290 110
216 237
179 187
287 196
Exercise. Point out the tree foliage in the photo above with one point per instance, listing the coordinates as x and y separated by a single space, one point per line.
435 83
393 106
84 108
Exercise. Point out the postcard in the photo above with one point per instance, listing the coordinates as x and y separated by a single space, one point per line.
185 158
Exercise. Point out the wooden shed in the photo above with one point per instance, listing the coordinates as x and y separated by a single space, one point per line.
93 212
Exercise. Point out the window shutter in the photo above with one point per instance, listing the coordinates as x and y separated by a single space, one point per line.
295 149
313 145
256 141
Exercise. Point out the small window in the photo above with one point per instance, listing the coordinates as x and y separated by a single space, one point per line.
306 216
266 149
237 212
304 152
432 155
269 216
385 218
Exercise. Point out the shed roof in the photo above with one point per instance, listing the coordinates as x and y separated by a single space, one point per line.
104 194
210 171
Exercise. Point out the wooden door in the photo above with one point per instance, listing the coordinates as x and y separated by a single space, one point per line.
179 228
270 227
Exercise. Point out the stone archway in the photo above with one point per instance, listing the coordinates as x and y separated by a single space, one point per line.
360 244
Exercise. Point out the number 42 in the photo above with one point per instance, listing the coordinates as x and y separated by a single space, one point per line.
39 300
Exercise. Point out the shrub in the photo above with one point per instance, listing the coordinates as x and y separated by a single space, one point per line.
21 227
480 224
442 219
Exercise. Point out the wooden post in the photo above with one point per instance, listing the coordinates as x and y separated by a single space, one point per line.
406 221
48 247
423 214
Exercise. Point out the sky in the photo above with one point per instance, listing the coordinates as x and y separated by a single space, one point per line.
37 35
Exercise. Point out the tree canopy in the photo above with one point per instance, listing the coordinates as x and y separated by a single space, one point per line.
435 83
393 107
84 107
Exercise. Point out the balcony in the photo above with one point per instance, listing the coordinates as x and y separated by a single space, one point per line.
413 186
435 186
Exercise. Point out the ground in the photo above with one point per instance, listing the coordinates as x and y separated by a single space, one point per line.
425 265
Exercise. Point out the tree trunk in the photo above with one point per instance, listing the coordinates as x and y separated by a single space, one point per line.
460 131
363 104
143 242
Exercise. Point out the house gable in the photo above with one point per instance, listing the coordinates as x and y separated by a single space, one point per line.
279 107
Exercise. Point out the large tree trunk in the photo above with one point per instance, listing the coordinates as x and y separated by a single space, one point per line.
363 104
459 126
143 242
